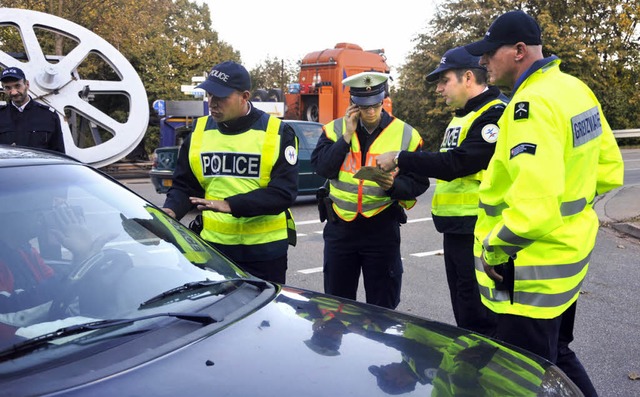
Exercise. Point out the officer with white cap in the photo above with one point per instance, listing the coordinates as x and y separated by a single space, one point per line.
364 235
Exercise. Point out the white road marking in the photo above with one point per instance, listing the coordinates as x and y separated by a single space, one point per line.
311 270
301 234
418 220
428 253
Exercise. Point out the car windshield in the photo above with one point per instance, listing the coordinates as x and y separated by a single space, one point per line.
76 247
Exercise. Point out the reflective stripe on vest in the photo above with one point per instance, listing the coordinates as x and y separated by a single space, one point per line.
459 197
547 167
352 196
507 373
252 145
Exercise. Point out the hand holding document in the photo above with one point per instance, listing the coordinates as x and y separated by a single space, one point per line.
369 173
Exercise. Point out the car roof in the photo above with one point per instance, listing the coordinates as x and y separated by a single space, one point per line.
11 156
301 122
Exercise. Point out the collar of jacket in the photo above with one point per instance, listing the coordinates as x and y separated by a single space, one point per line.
478 101
241 124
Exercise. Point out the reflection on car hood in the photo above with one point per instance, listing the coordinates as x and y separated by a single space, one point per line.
308 344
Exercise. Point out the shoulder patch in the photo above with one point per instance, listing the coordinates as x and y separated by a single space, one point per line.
521 111
586 126
291 155
490 133
529 148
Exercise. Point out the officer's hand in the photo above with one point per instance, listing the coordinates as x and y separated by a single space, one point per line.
386 161
73 234
385 180
211 205
351 119
169 212
490 270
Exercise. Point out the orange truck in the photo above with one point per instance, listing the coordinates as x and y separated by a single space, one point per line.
319 94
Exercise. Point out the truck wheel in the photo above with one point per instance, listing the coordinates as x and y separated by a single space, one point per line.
311 110
275 95
260 95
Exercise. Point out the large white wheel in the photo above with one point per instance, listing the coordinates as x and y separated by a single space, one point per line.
55 82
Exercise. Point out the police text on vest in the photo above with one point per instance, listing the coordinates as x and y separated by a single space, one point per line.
239 165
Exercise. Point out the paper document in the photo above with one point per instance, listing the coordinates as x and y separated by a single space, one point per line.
368 173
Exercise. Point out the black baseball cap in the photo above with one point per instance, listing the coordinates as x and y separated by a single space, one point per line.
12 74
454 59
225 78
509 28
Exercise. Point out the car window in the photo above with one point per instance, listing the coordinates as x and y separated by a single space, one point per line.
77 247
308 133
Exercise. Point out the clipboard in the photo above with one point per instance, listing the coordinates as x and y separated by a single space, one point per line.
369 173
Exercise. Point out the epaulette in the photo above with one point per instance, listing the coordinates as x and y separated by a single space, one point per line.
42 105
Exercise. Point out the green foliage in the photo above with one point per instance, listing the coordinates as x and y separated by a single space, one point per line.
273 73
166 41
597 42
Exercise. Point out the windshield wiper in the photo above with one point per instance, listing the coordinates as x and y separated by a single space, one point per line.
203 284
34 343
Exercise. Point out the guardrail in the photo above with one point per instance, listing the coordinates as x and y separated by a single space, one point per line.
632 133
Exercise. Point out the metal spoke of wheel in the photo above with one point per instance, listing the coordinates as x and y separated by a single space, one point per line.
56 83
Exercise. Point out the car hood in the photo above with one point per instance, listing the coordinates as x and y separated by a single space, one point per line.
309 344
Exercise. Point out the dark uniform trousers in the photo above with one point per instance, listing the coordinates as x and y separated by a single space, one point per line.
271 270
370 245
549 339
468 309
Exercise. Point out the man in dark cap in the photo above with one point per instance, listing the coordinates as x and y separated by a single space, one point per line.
467 147
536 226
368 204
25 122
240 168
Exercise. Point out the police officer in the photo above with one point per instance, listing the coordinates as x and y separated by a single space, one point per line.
25 122
536 225
240 168
466 149
365 234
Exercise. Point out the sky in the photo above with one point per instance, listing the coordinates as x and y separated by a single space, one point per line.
289 29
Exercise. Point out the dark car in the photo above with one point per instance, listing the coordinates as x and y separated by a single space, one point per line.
308 132
126 301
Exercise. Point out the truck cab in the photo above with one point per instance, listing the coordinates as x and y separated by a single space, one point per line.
319 94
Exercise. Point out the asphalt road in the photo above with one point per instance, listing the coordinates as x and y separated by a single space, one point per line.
607 324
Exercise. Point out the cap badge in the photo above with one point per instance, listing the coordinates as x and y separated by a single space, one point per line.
367 83
443 60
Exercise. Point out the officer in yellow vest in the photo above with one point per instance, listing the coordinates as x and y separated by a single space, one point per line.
536 225
240 168
467 147
365 234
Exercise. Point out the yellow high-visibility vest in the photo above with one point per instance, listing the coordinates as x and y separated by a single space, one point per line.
352 196
459 197
556 151
227 165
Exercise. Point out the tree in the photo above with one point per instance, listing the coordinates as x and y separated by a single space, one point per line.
273 73
166 41
596 41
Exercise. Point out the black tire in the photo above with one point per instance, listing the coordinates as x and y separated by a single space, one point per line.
260 95
275 95
311 110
